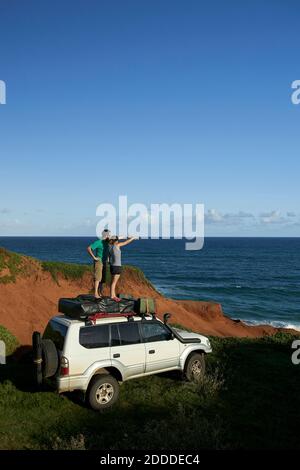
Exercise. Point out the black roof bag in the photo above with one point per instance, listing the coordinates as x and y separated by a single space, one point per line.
83 306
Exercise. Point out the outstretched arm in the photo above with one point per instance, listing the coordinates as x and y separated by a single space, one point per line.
127 241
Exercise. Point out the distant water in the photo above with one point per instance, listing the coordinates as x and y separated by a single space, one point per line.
255 279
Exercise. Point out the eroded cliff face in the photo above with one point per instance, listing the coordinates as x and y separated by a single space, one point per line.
29 294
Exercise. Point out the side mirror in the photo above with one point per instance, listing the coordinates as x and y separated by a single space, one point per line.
167 316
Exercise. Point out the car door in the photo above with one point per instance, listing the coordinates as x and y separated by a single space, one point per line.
162 350
127 348
93 347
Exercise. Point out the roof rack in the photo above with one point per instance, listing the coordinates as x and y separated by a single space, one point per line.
91 319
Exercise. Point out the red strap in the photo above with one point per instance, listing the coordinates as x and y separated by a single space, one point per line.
110 315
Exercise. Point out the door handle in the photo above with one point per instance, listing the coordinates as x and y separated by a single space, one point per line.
152 351
116 355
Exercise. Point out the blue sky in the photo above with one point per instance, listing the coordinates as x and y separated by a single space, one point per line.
162 101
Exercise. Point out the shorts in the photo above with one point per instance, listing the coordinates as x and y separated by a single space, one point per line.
115 270
100 271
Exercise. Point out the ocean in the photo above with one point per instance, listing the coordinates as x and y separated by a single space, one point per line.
255 279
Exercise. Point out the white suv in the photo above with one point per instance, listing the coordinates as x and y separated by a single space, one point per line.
96 357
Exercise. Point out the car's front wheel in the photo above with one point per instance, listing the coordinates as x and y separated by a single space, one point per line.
195 367
103 392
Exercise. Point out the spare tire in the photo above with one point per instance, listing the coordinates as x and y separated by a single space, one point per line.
49 358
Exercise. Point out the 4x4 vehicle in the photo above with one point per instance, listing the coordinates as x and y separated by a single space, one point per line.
95 357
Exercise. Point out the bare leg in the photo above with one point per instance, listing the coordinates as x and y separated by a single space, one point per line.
98 268
113 285
96 289
103 280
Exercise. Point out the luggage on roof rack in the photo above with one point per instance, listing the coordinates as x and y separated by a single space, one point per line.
86 305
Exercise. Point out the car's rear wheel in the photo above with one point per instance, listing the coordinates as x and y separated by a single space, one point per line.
103 392
195 367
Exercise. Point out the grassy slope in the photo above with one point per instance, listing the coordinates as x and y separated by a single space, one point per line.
249 399
11 264
69 271
74 271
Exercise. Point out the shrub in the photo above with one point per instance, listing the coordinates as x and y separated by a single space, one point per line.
11 342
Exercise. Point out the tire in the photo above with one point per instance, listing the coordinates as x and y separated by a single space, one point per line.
108 386
49 358
195 367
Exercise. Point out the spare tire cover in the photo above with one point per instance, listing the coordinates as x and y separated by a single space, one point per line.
50 358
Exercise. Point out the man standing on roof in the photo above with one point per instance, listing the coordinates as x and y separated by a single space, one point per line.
99 251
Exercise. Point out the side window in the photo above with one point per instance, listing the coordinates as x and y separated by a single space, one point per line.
57 332
114 335
129 333
94 336
154 331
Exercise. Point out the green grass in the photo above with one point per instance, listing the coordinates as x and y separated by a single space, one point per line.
13 264
10 265
249 399
69 271
74 271
11 342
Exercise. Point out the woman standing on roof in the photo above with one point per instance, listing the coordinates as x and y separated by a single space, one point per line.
116 263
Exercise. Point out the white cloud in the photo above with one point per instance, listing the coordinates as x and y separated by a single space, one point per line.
11 224
243 219
245 215
213 216
216 222
273 217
